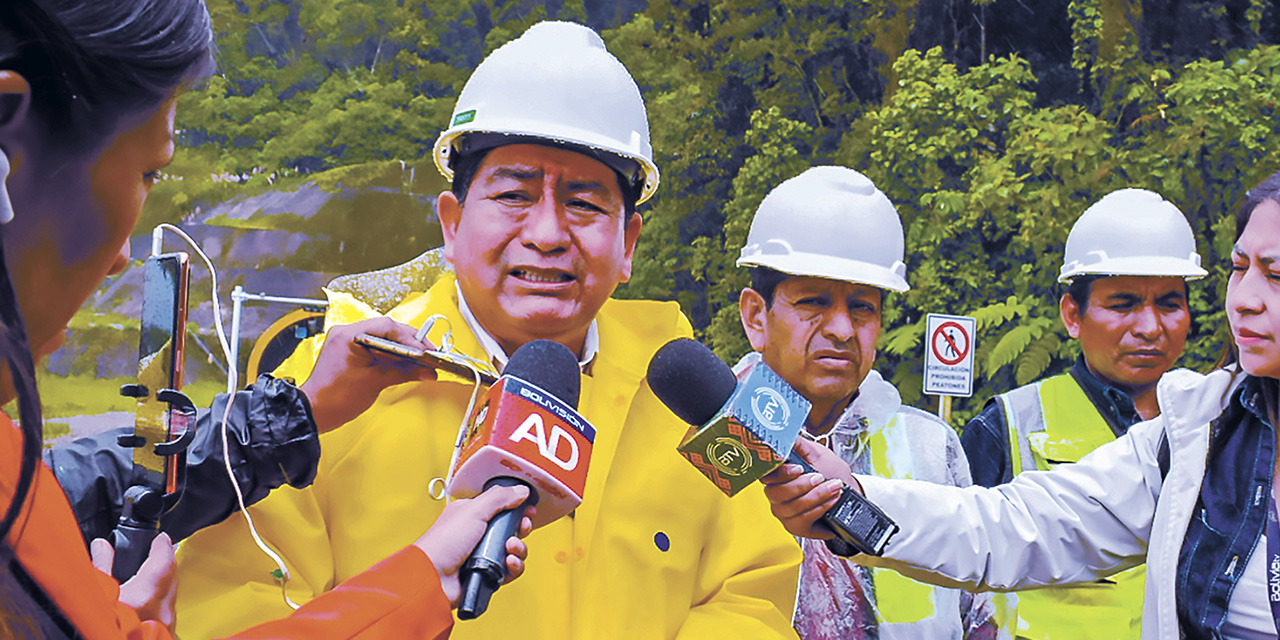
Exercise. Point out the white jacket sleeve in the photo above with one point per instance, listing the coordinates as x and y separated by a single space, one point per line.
1076 523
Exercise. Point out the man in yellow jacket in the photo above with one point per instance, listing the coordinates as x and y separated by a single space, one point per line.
549 154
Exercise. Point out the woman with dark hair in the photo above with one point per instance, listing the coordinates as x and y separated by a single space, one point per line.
87 95
1192 492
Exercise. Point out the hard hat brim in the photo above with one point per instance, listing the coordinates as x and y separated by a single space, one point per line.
1153 266
444 147
822 266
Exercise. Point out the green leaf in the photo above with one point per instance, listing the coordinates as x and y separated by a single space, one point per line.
1035 360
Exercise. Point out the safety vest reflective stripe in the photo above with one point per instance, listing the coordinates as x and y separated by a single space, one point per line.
898 599
1024 415
1053 422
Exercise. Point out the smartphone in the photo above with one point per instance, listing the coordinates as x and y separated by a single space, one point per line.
161 346
158 475
448 362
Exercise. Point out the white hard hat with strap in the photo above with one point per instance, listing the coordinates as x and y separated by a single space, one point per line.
556 83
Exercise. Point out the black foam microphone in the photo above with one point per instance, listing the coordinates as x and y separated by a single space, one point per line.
688 378
701 390
526 431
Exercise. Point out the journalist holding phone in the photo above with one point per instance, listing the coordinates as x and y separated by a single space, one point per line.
1191 492
87 94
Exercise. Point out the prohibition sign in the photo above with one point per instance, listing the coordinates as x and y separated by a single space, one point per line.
950 343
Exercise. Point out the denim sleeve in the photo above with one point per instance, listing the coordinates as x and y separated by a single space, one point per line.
986 444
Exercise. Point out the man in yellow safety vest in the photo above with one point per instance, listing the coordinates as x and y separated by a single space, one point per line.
824 249
1126 264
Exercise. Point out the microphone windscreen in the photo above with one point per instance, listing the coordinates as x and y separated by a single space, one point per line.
548 365
687 377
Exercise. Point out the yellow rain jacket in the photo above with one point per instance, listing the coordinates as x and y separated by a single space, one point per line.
654 551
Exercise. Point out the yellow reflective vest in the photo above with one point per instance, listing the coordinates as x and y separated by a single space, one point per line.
1053 422
654 551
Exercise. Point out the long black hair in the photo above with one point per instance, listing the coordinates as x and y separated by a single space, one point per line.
1269 189
89 64
17 357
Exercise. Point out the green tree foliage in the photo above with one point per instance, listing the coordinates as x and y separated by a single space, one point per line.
988 179
306 85
986 154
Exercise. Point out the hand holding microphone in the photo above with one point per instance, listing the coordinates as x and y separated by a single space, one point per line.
527 432
806 487
741 432
454 535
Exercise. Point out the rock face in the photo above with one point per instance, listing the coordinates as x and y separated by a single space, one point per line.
283 242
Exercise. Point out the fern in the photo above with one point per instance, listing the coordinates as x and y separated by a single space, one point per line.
1013 343
902 340
994 315
1032 362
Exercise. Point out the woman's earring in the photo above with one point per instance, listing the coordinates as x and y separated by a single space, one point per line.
6 205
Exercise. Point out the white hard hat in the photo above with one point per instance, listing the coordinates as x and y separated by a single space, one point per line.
558 83
829 222
1131 232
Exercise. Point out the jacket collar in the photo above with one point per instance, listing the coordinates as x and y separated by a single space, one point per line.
441 300
1249 396
872 408
1115 406
629 332
499 357
1190 400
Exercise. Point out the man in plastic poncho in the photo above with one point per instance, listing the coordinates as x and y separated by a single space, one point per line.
824 249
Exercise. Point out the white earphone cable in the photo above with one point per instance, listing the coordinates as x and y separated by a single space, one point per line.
156 245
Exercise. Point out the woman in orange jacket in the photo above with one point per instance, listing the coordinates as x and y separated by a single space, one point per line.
87 94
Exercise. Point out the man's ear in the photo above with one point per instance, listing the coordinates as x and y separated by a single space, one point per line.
450 212
754 314
1071 315
630 236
